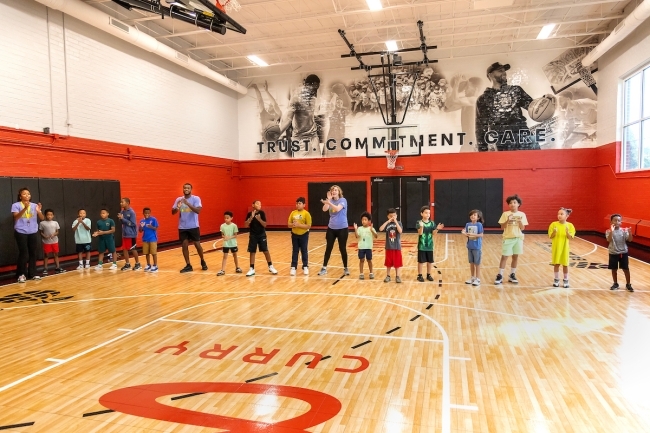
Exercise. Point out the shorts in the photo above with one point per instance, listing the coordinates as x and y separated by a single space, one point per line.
189 235
474 256
51 248
149 247
425 256
227 250
106 243
128 243
83 248
512 247
393 259
619 261
257 241
365 254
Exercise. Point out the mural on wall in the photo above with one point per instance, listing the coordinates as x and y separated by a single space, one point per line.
521 103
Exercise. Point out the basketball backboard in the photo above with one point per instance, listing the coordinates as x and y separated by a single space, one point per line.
403 138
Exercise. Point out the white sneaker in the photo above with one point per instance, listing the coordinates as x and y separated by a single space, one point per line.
470 281
346 272
22 279
87 266
80 267
323 271
273 270
476 282
113 266
250 272
99 267
305 270
292 272
147 268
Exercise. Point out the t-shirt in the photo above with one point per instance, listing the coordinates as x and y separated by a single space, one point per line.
425 240
393 237
149 235
365 237
617 245
256 227
474 229
28 222
301 217
82 234
339 220
188 219
129 226
229 230
49 228
104 226
512 230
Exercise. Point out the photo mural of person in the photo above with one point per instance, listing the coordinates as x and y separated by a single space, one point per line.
462 96
269 118
342 108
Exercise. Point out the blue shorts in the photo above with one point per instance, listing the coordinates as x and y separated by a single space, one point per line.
474 256
365 254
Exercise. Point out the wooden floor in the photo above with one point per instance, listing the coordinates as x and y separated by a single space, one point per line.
85 351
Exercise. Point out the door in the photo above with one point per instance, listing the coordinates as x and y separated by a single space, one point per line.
406 194
385 194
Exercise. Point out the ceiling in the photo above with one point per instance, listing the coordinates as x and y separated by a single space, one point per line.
302 35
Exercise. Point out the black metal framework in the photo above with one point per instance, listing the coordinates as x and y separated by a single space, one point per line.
389 61
212 18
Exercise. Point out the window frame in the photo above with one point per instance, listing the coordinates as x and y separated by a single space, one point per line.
622 157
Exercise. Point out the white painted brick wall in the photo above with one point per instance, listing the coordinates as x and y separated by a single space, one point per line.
115 91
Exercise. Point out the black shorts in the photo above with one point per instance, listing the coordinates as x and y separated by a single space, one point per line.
425 256
257 241
189 234
365 254
227 250
619 261
83 248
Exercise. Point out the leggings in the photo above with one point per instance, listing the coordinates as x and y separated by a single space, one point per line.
27 245
330 237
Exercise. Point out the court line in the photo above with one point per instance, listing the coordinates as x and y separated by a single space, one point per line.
314 249
458 358
309 331
464 407
54 360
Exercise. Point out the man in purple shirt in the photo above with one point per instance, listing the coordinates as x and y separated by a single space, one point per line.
189 206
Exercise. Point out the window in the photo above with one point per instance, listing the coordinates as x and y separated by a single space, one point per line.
636 122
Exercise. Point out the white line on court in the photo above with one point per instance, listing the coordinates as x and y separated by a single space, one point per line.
125 330
458 358
314 249
309 331
463 407
55 360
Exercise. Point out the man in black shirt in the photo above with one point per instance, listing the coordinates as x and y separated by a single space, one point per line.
256 221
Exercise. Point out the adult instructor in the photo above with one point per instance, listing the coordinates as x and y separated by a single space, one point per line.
26 217
337 228
189 206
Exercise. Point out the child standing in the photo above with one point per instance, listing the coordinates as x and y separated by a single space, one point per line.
365 234
474 232
149 229
560 232
618 253
513 223
256 221
50 234
426 229
393 258
299 223
105 231
129 234
82 238
229 232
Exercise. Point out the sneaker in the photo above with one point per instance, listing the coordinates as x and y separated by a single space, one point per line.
346 272
513 279
220 273
113 266
323 271
556 283
429 277
99 267
476 282
273 270
420 279
239 271
204 266
87 266
126 267
361 277
398 280
45 272
80 267
22 279
292 272
614 286
498 279
371 276
629 287
154 269
59 270
37 278
566 284
147 268
387 279
470 281
305 270
137 267
187 268
250 272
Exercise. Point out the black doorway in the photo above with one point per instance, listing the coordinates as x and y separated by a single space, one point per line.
406 194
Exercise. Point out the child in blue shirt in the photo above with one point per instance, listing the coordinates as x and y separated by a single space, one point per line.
149 229
474 232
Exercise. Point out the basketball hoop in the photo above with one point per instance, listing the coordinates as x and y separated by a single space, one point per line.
391 158
228 5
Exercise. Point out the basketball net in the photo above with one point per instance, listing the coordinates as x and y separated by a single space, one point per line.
228 5
391 158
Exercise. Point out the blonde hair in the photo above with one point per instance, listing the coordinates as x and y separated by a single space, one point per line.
337 187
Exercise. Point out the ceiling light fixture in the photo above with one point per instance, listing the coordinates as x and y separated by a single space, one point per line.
257 61
391 46
374 5
546 31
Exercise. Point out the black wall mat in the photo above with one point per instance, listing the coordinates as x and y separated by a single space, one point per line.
455 198
443 199
8 249
476 196
354 192
459 204
52 192
415 194
494 202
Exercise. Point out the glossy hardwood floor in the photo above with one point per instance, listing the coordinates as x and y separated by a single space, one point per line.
111 351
